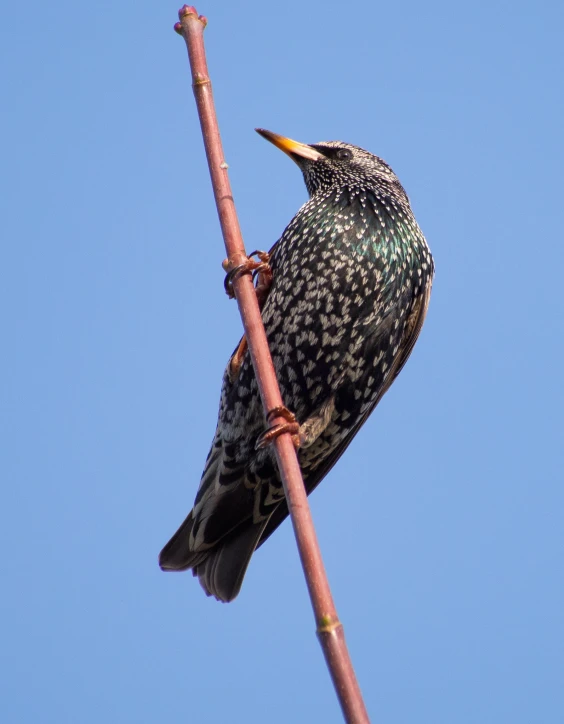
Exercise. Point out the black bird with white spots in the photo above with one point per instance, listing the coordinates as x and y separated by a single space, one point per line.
352 277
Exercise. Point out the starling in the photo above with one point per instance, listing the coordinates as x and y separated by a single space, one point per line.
351 282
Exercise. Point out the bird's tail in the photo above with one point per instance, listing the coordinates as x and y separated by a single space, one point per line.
177 554
220 569
221 573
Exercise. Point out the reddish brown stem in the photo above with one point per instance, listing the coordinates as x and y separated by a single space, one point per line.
329 628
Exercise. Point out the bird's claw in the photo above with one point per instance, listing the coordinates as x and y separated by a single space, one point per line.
270 434
249 266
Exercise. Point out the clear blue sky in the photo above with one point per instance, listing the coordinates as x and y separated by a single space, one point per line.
442 527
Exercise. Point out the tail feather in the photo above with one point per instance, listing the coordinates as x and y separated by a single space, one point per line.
218 537
177 554
220 569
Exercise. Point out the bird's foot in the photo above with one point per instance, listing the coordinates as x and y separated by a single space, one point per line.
264 277
270 434
264 282
250 266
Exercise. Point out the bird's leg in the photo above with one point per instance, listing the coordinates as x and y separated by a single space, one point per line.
237 359
264 277
260 268
263 272
270 434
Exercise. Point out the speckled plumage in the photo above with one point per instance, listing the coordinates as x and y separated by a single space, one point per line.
352 276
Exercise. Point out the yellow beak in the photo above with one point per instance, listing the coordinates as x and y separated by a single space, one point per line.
292 148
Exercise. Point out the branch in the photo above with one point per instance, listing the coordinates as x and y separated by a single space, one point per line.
329 628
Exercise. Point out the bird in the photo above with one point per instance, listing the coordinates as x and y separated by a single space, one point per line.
351 283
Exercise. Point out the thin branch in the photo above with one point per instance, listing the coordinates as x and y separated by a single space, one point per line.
329 628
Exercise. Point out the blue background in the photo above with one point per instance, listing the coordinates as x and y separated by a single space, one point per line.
441 528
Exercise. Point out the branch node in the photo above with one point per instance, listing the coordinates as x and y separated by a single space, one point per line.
328 624
187 10
199 79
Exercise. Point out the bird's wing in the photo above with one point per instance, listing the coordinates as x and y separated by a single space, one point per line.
412 330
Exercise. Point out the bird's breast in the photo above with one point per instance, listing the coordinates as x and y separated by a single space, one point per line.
342 281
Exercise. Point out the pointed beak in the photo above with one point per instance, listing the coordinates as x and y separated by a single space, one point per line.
292 148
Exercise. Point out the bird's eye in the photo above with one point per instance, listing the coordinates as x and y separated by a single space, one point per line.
343 154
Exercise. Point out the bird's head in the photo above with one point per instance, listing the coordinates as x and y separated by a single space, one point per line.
334 163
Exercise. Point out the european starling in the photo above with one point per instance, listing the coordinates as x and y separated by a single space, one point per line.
352 277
